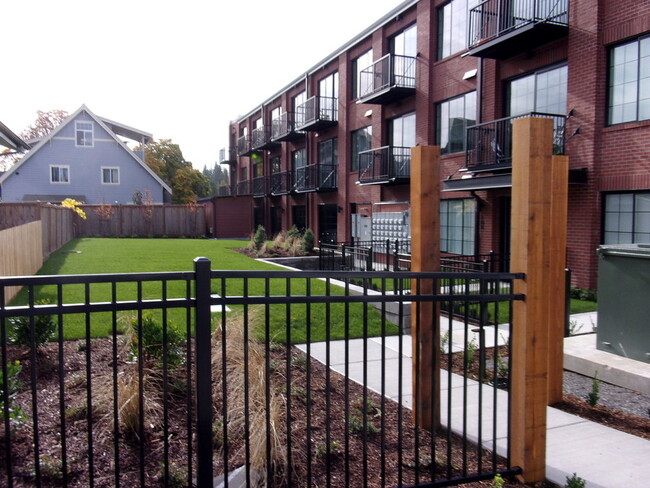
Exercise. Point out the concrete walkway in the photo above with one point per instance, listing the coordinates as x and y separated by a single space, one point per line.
604 457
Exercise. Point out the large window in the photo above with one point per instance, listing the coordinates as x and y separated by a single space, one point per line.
627 218
59 173
542 91
405 43
110 175
453 118
298 160
84 133
457 226
629 82
402 131
361 141
358 64
328 151
453 27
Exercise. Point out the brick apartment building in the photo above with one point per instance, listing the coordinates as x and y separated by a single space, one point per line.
330 151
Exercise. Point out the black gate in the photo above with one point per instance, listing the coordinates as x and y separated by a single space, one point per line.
290 378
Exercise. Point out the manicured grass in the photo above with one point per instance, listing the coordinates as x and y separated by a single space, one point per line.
582 306
91 256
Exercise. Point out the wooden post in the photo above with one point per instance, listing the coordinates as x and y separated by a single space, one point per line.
425 256
557 305
531 248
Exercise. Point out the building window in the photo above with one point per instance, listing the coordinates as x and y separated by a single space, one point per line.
402 131
276 113
298 160
360 63
542 92
243 174
361 141
629 82
110 176
405 43
453 26
453 118
627 218
275 165
328 151
59 174
84 131
457 226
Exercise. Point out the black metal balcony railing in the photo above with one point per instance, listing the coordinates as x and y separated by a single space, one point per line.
489 145
384 165
280 183
521 24
261 139
227 155
387 79
244 188
226 191
244 146
315 177
317 113
283 128
259 186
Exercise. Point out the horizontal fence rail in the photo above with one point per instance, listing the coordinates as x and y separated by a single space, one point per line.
272 376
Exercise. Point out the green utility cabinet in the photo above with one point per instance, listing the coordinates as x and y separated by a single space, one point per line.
624 300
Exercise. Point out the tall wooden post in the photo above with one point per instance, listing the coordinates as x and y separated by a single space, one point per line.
425 256
533 243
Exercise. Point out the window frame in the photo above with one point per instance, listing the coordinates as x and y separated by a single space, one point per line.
444 227
610 50
439 107
535 74
329 146
441 52
403 129
634 215
79 131
358 65
354 156
65 167
110 169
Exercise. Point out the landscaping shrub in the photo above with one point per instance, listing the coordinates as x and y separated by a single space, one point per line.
44 329
152 340
583 294
308 241
259 238
13 385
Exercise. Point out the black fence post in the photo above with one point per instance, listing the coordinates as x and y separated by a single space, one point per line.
567 302
203 374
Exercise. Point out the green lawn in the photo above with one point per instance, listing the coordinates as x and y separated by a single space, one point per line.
90 256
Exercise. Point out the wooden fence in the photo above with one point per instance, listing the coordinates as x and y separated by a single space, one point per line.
22 252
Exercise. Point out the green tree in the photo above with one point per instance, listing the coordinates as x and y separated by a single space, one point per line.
217 175
46 122
189 184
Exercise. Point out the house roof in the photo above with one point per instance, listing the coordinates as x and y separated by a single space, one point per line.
129 132
108 127
11 140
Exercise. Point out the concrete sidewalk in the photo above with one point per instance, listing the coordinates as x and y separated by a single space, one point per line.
604 457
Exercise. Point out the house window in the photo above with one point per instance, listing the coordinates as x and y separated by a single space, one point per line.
627 218
543 92
275 165
629 82
84 131
243 174
59 174
276 113
328 151
453 27
360 63
328 90
361 141
453 118
404 43
110 176
298 160
298 108
402 131
457 226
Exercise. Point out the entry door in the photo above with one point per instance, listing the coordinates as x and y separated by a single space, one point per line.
327 221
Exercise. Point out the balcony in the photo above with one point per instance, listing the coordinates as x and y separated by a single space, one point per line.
388 164
244 147
387 80
244 188
315 177
259 186
317 113
227 155
500 29
281 183
283 128
261 139
226 191
489 145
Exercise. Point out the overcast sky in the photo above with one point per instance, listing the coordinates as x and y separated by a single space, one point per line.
178 69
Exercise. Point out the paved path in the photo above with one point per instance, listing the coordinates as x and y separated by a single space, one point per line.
604 457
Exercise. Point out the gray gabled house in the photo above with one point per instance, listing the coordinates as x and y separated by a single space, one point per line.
84 158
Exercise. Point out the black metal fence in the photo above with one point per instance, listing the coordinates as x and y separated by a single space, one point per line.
180 377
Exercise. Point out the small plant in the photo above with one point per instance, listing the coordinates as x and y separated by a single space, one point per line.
44 329
357 425
575 482
502 368
218 433
259 238
153 347
308 241
498 481
51 468
175 477
334 449
16 415
594 395
470 351
294 233
444 342
574 328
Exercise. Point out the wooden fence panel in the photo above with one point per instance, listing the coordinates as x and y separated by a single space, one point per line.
22 252
15 214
